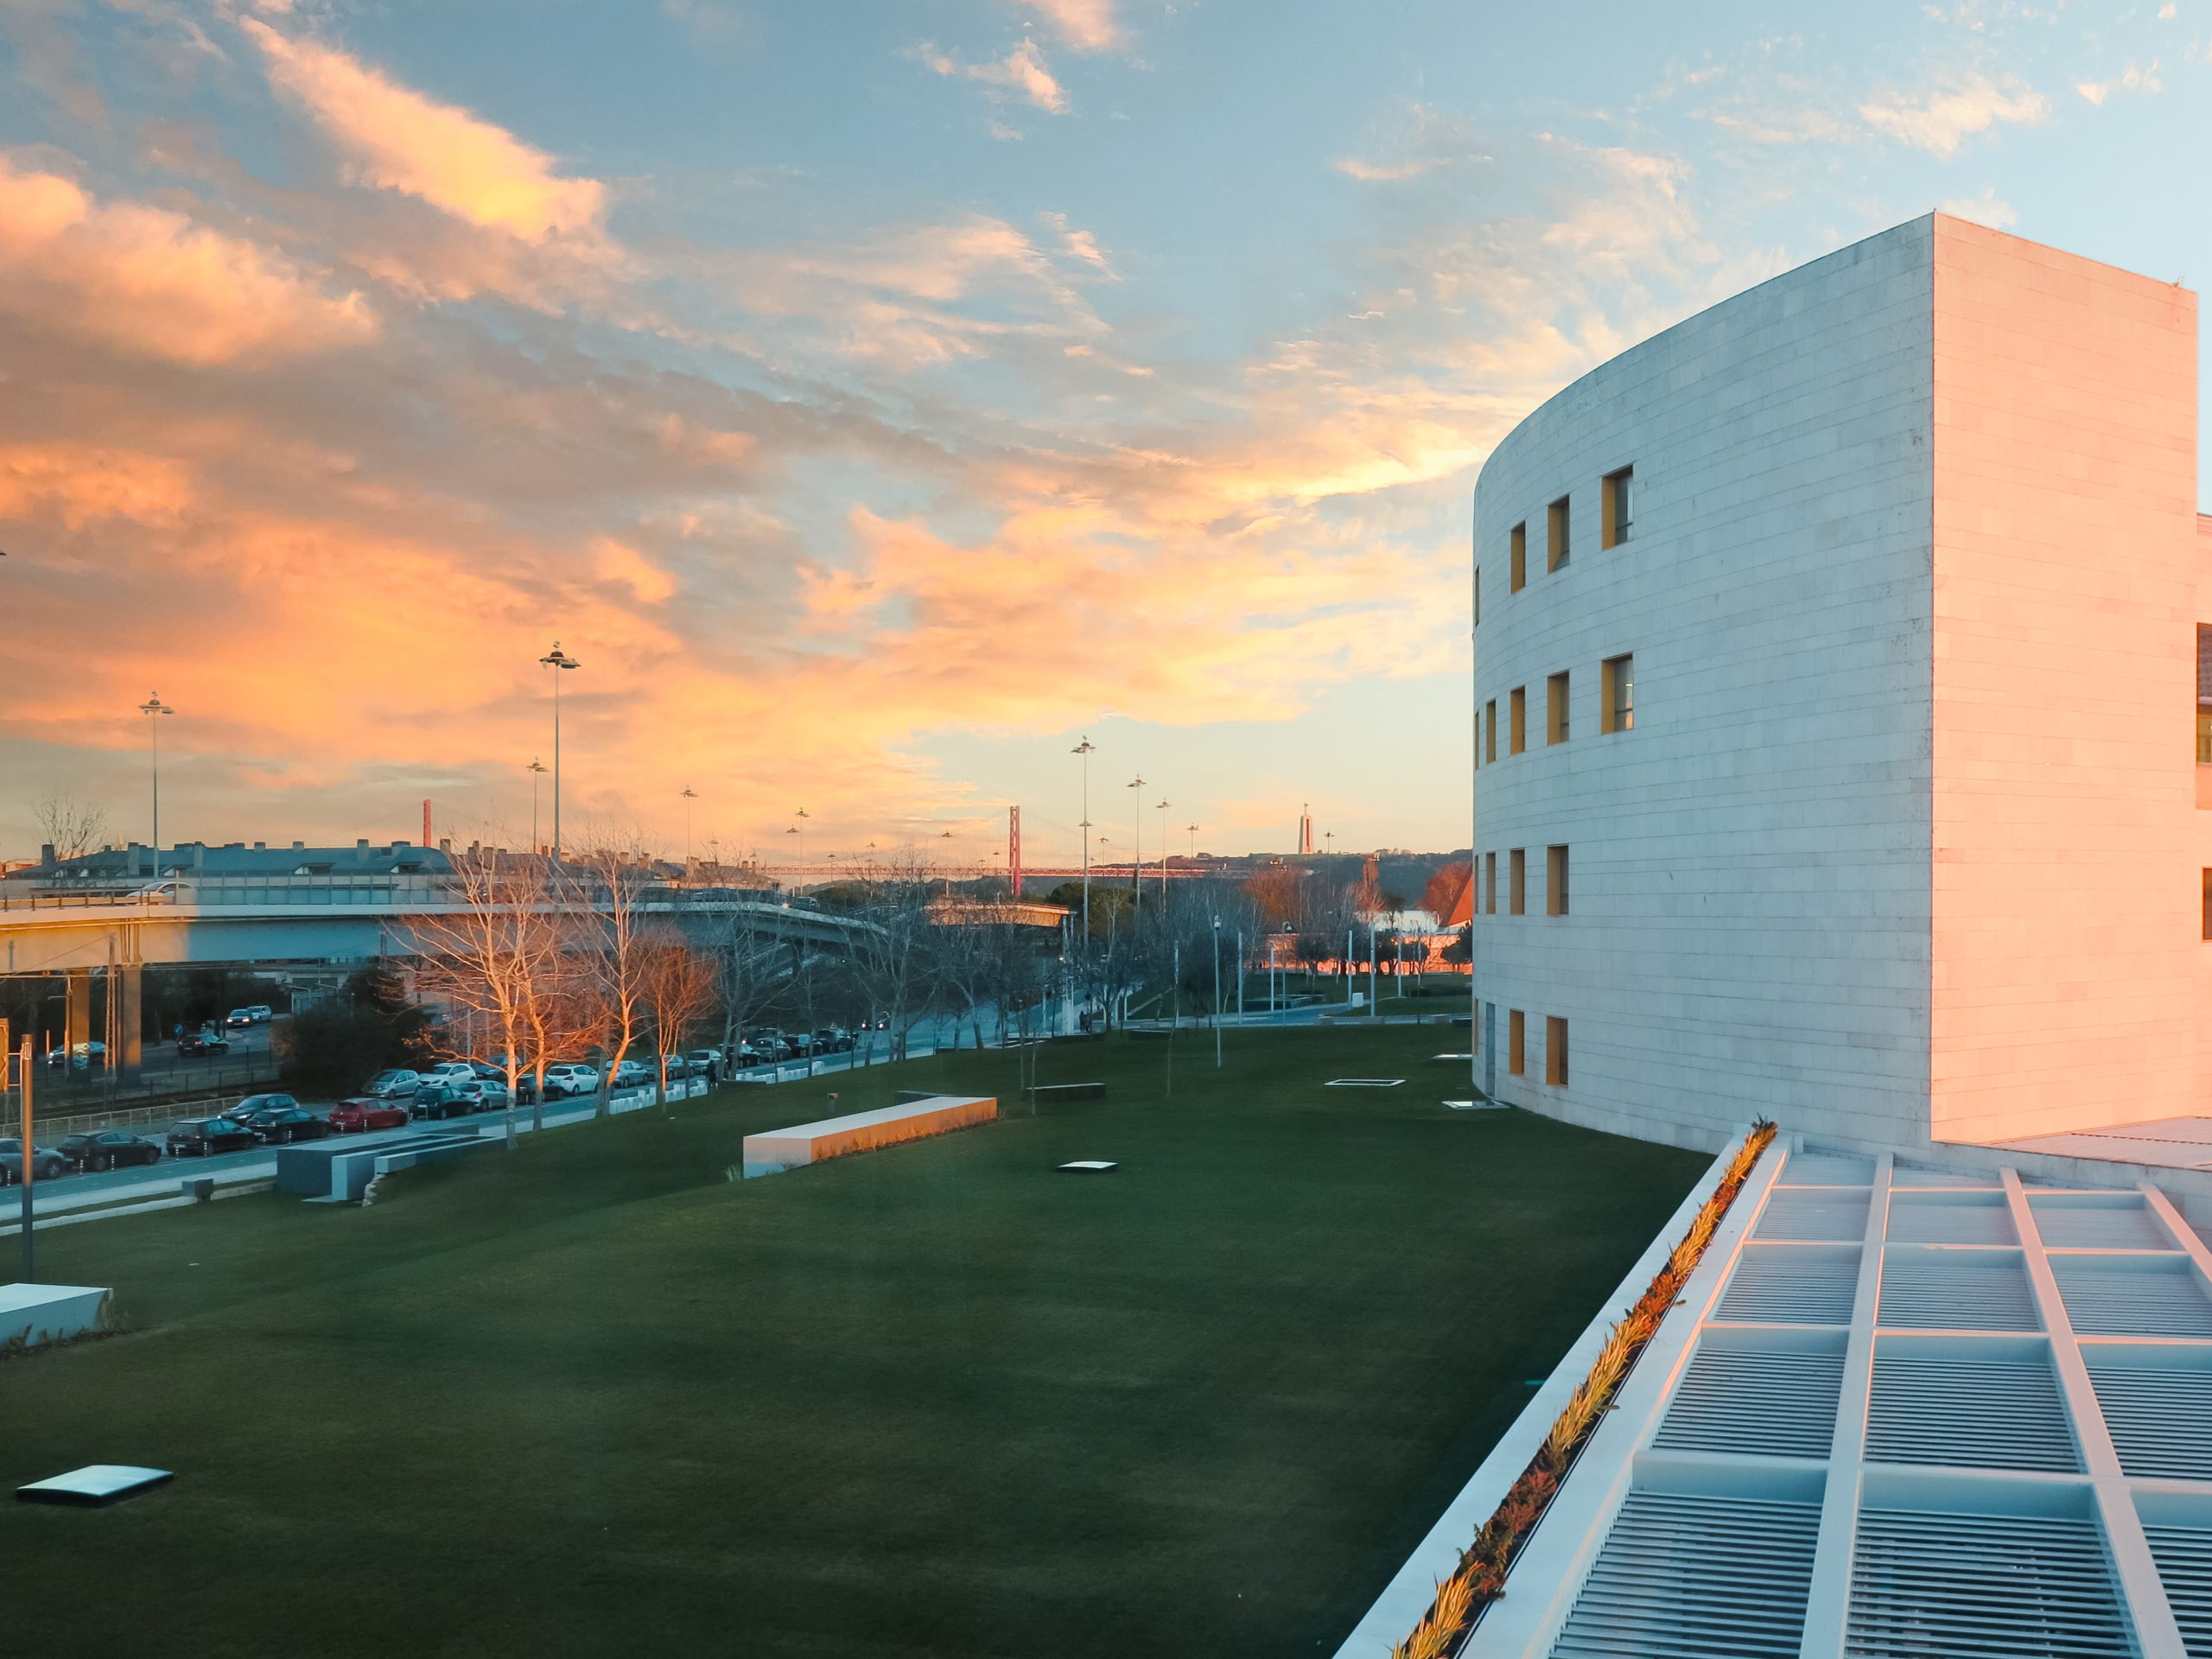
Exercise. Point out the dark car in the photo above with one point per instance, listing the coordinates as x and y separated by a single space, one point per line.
109 1149
278 1125
252 1103
360 1115
202 1137
46 1162
435 1100
202 1042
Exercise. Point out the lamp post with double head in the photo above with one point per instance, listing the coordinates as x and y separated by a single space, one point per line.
1136 856
1085 749
560 662
154 708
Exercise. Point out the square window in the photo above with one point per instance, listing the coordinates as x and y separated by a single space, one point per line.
1616 514
1554 880
1555 549
1489 884
1517 1042
1555 1051
1519 575
1616 695
1518 709
1518 902
1555 709
1490 731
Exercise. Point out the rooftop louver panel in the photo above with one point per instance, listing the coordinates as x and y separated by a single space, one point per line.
1814 1213
1974 1413
1816 1169
2115 1227
1682 1577
1942 1291
2138 1297
1928 1585
2184 1559
2161 1420
1789 1284
1918 1222
1738 1400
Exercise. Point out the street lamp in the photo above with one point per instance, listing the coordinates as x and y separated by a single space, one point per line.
1163 849
536 771
154 708
1136 856
797 828
1217 991
559 661
1194 829
689 796
1083 749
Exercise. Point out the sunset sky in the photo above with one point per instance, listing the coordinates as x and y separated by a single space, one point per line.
876 397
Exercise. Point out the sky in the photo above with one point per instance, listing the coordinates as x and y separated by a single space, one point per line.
876 399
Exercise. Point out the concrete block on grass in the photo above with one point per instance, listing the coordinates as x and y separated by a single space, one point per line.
774 1151
34 1314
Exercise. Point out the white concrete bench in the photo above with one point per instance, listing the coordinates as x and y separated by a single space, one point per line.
776 1150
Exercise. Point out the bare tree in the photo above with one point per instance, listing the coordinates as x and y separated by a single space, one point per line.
607 884
750 963
486 958
73 826
891 947
676 987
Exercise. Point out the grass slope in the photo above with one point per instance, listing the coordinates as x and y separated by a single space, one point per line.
936 1399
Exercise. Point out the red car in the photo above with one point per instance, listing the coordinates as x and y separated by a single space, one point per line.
358 1116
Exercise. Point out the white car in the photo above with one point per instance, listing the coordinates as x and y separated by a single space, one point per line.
450 1071
569 1080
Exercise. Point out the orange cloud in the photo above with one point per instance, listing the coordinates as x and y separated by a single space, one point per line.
397 139
1086 25
1022 70
83 483
150 281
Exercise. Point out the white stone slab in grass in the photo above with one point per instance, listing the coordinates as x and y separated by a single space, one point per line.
1088 1166
1476 1105
1450 1057
32 1314
94 1485
773 1151
1364 1082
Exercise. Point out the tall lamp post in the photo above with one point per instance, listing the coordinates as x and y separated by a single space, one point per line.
153 708
560 662
537 770
1136 856
1194 829
1085 749
1217 993
1163 850
689 796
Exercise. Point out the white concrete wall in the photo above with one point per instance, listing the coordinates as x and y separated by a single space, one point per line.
1750 866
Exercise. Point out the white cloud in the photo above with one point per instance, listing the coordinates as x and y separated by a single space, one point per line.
1085 25
2134 78
1988 208
1022 71
1940 119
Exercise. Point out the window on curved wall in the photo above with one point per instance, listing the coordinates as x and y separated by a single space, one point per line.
2204 695
1490 732
1517 863
1516 1043
1554 880
1556 709
1489 884
1617 694
1555 527
1555 1051
1518 719
1517 577
1617 510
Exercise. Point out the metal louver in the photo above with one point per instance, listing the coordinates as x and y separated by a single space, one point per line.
1941 1290
2184 1559
1827 1169
1749 1400
1783 1284
2132 1297
1814 1213
2161 1419
2101 1227
1922 1222
1974 1414
1684 1577
1931 1586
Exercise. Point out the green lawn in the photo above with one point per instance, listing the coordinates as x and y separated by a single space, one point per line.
592 1398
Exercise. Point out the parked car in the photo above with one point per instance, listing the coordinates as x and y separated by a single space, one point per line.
450 1071
237 1017
395 1083
632 1074
254 1104
486 1072
569 1078
202 1137
47 1162
109 1149
832 1039
279 1125
202 1042
448 1099
360 1114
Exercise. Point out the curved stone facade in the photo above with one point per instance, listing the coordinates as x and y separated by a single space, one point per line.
1875 524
